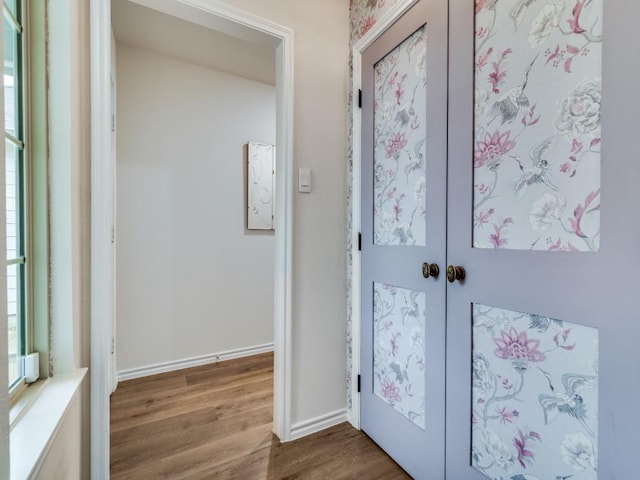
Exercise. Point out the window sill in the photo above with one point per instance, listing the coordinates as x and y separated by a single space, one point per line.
37 420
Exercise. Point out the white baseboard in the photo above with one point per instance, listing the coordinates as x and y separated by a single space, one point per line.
164 367
355 422
317 424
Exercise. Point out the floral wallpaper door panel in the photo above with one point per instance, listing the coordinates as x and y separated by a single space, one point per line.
542 367
536 160
399 151
398 349
404 137
534 396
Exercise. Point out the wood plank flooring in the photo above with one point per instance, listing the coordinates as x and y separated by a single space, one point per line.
214 422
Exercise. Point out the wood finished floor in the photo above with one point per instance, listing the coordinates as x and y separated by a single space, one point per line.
214 422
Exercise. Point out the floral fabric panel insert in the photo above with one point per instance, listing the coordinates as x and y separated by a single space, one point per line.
399 350
399 144
538 67
535 396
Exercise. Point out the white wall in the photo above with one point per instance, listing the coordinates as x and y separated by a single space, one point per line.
70 193
319 219
191 280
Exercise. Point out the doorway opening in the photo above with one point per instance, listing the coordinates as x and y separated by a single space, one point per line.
248 28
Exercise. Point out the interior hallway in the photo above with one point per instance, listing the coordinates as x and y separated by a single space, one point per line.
214 422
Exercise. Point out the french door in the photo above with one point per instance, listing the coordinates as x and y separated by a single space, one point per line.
404 227
534 340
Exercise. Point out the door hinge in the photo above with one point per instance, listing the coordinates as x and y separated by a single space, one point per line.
359 242
358 383
359 98
113 234
113 345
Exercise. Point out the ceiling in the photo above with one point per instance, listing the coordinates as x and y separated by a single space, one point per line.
141 27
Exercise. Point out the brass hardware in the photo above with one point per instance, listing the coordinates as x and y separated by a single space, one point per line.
455 272
430 270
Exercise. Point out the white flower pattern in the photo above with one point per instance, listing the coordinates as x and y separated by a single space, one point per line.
534 396
400 136
545 23
481 96
580 112
420 189
537 125
399 350
579 451
495 447
546 210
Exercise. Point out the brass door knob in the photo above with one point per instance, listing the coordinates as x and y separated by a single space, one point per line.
430 270
455 272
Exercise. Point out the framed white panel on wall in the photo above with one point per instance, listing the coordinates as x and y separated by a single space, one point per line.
260 186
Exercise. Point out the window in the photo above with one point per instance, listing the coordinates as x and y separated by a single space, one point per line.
14 125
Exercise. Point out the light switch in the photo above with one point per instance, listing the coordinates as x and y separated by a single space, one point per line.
304 180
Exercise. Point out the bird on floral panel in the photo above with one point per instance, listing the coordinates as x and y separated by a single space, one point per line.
570 401
416 161
412 309
539 170
518 11
513 102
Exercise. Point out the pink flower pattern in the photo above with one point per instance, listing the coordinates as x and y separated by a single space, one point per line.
490 150
520 442
398 357
518 348
498 237
400 136
538 103
390 391
395 144
507 415
367 25
524 365
498 74
581 210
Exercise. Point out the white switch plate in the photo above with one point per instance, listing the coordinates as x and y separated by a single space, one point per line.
304 180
